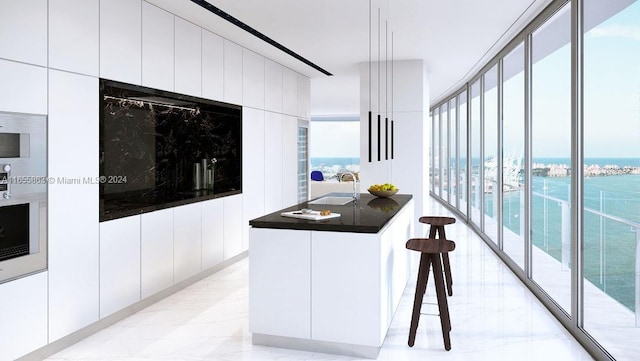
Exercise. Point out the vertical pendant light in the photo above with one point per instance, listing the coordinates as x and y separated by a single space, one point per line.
386 90
379 121
369 128
392 95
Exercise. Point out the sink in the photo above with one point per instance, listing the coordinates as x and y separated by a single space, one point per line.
336 201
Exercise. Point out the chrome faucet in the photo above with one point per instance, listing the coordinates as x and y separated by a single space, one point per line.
353 176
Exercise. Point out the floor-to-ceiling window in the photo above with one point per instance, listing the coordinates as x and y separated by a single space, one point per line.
444 151
490 162
551 154
436 152
513 155
611 198
453 151
432 152
476 161
569 146
462 151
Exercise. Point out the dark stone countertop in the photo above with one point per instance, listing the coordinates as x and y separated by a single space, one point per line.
369 215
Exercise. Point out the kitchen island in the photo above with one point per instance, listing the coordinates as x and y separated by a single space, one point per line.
330 285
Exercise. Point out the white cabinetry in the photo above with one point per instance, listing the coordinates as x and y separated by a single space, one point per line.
272 86
232 73
212 66
289 92
119 264
188 53
272 180
233 226
253 168
156 251
23 88
24 31
289 179
73 208
121 40
280 275
304 96
74 35
212 233
23 311
187 241
157 48
306 285
252 79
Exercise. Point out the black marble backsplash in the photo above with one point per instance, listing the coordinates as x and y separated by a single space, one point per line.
160 149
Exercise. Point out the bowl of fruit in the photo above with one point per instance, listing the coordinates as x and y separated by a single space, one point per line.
383 190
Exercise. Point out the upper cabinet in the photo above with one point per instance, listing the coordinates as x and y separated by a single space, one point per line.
74 35
24 31
304 94
272 86
121 40
232 73
252 79
212 66
188 53
23 88
157 48
289 92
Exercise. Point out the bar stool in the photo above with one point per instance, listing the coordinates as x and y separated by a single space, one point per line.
437 228
431 251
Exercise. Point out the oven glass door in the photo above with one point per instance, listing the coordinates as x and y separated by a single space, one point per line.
14 231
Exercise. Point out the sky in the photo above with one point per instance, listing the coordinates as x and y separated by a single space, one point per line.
333 139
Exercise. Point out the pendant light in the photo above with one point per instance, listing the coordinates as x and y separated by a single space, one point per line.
386 90
369 128
379 121
392 95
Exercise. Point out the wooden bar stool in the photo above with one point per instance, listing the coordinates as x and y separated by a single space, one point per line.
431 251
437 229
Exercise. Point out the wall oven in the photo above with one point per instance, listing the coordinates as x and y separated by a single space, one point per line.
23 195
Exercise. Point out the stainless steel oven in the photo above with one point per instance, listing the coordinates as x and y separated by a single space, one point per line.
23 194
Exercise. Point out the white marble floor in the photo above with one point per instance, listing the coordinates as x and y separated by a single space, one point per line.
494 317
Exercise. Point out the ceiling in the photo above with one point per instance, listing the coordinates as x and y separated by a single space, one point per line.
454 37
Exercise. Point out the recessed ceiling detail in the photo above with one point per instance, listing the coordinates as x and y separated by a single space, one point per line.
228 17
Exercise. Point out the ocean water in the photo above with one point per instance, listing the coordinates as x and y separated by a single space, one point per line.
609 240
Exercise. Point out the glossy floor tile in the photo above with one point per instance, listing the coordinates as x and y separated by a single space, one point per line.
494 317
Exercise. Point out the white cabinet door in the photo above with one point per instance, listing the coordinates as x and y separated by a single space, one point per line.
119 264
121 40
156 269
232 226
354 317
252 79
280 283
187 241
157 48
289 161
23 311
73 209
289 92
253 168
232 72
212 66
212 233
273 162
23 88
272 86
304 97
23 31
74 35
188 43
